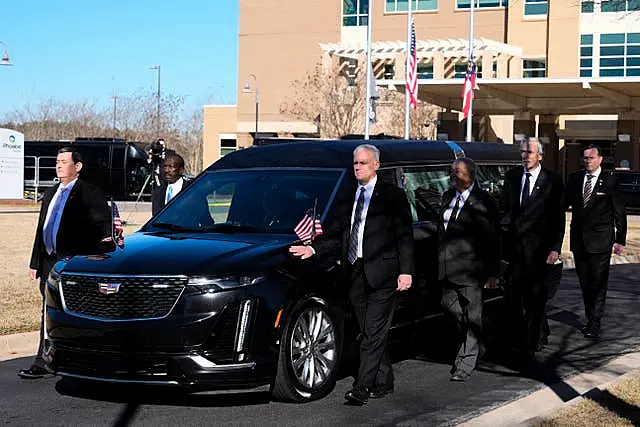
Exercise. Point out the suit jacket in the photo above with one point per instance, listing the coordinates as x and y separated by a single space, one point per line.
536 228
387 244
469 248
159 194
603 221
85 221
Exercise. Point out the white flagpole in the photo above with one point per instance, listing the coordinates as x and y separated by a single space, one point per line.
472 60
367 103
406 74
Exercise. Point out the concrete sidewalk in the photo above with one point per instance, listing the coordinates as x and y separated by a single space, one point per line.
18 345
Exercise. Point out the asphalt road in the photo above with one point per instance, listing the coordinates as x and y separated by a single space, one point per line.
424 395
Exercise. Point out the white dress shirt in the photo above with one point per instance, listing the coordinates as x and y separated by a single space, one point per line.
595 174
368 192
463 198
55 197
175 189
532 180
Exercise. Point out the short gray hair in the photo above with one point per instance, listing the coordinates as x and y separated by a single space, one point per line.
372 149
469 164
537 141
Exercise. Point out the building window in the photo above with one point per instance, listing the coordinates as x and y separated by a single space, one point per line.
227 145
620 54
460 70
587 6
349 68
534 68
389 71
481 4
355 12
403 5
619 5
425 70
586 55
535 7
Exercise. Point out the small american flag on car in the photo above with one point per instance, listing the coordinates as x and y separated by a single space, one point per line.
118 230
309 226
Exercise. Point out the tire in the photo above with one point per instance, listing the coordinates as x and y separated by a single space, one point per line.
310 351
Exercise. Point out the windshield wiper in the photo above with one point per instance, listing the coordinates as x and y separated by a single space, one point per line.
174 227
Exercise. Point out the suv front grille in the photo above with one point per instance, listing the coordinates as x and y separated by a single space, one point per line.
121 298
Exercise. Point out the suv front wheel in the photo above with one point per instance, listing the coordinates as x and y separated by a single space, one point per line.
310 351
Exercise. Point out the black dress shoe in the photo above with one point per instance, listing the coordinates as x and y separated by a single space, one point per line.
33 373
459 377
377 394
357 397
592 333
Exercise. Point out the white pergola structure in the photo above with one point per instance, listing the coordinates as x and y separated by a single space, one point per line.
441 53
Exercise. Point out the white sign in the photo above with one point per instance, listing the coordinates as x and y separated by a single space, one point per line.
11 164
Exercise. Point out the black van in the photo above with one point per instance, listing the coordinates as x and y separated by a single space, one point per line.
629 182
206 295
118 167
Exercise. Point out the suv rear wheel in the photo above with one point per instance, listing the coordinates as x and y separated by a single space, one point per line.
310 352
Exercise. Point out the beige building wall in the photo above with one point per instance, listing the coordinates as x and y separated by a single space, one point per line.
563 52
218 119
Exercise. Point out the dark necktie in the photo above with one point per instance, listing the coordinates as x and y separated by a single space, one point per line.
51 228
588 190
454 212
352 254
526 188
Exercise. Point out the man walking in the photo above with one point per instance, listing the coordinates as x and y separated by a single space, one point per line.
74 219
373 233
598 227
532 200
469 258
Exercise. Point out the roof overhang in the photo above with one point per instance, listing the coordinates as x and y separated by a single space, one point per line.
607 95
450 48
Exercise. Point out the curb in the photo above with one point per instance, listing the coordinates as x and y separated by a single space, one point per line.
535 407
569 263
18 345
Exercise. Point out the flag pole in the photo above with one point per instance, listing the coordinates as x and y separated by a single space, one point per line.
367 104
471 63
406 74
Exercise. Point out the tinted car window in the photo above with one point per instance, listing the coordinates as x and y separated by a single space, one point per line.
491 179
271 201
424 187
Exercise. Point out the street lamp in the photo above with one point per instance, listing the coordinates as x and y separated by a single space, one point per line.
247 89
5 56
157 67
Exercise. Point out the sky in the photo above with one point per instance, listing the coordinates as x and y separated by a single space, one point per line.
76 50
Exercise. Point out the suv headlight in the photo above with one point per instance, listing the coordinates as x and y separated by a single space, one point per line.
205 284
54 279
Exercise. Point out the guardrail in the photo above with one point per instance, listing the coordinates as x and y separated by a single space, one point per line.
33 168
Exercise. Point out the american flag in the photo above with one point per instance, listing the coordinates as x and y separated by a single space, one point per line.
412 81
118 230
308 228
470 84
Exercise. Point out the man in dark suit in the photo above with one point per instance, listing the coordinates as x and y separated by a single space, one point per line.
598 226
532 200
372 231
173 182
469 258
74 219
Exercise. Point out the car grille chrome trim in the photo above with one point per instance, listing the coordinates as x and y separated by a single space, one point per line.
138 297
116 380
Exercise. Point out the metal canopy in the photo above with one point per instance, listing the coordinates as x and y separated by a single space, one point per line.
607 95
450 48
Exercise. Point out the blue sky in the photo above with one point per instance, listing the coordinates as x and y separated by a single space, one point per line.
75 50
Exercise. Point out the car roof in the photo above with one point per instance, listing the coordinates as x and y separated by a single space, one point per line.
339 153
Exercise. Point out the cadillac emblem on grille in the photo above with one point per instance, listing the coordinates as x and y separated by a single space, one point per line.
108 288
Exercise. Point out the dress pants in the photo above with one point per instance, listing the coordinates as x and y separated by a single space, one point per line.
373 308
530 294
464 305
593 274
47 265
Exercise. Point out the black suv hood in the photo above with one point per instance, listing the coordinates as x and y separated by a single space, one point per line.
186 254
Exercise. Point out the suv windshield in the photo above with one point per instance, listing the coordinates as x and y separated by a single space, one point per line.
265 201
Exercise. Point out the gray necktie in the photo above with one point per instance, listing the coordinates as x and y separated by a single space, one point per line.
352 254
588 190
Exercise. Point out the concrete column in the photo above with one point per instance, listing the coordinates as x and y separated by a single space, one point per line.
487 65
400 66
502 71
327 63
628 124
438 65
547 126
524 123
515 67
450 125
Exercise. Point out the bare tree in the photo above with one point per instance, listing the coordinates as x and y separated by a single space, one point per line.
391 116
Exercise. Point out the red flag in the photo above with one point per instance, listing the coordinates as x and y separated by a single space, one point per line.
412 81
470 84
308 228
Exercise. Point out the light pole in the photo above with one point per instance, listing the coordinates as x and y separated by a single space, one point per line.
247 89
5 55
157 67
